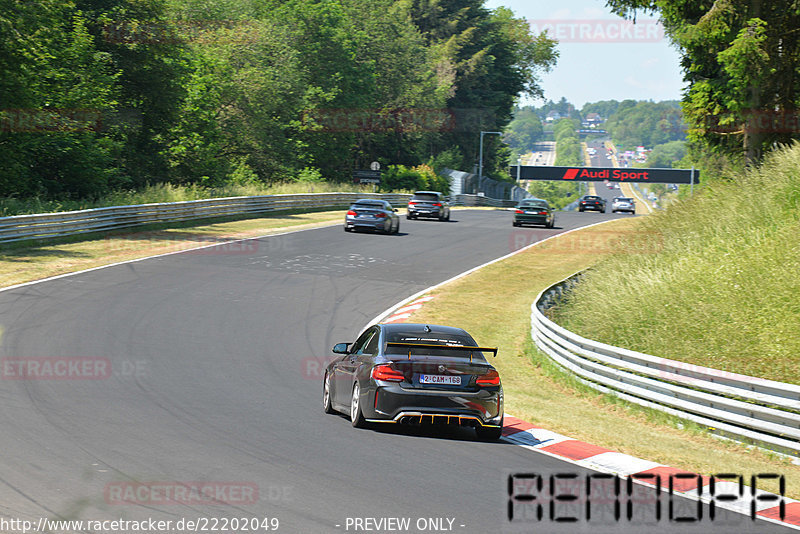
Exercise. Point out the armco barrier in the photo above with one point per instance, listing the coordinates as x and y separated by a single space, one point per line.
51 225
68 223
746 408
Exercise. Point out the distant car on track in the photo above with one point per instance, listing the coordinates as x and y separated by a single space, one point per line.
428 204
371 214
534 211
625 204
415 374
592 202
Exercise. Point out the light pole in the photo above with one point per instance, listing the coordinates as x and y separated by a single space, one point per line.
519 165
480 157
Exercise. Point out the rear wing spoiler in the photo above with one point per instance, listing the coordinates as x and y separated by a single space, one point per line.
410 346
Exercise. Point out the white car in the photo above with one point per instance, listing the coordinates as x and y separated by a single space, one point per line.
623 204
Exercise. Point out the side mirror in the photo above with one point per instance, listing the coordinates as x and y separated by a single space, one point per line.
395 210
341 348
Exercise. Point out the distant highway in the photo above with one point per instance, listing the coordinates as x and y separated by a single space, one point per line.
543 153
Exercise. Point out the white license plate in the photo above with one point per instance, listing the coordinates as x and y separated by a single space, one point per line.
440 379
532 212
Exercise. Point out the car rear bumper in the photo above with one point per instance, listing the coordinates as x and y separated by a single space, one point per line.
531 219
425 212
365 224
393 404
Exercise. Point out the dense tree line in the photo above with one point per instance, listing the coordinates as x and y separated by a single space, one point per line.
643 123
108 94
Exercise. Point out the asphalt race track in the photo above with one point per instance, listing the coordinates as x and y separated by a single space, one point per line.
204 372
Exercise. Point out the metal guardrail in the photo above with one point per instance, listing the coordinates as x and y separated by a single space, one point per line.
479 200
742 407
52 225
68 223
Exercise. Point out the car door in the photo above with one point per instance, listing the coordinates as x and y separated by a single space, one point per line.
345 368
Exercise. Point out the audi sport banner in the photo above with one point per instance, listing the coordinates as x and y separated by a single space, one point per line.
601 174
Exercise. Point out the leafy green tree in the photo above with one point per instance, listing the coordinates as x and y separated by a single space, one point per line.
646 123
666 155
524 130
604 108
491 57
740 59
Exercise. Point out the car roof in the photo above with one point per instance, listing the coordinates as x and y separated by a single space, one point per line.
427 193
370 201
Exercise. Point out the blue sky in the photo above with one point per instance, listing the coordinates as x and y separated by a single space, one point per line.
592 68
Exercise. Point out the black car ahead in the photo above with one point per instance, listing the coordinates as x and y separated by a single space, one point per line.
369 214
415 374
592 202
428 204
534 211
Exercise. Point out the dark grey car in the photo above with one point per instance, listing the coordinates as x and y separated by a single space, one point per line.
369 214
415 374
428 204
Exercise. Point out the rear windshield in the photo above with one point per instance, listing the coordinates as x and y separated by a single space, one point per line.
429 197
422 338
624 200
591 198
533 205
369 205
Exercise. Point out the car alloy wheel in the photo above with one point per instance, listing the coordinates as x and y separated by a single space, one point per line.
356 417
326 395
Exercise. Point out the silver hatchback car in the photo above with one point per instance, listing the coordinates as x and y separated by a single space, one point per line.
623 204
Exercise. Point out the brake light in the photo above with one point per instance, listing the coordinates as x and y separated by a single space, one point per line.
437 204
385 372
380 215
351 212
519 211
542 213
489 379
411 203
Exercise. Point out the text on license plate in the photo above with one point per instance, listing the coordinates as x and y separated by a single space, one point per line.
440 379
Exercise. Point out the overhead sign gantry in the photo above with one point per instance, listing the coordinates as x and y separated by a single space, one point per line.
602 174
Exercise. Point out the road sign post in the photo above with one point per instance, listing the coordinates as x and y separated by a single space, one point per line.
367 177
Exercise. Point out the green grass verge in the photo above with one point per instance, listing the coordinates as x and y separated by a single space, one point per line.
493 304
719 286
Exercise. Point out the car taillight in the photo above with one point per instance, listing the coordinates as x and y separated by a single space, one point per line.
351 212
489 379
380 215
385 372
542 213
437 204
519 211
412 203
